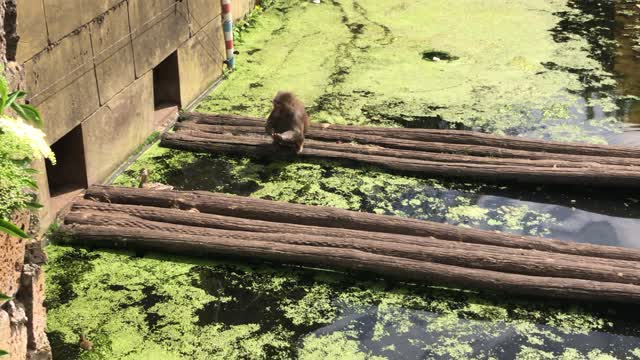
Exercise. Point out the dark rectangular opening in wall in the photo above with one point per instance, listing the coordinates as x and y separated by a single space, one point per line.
166 89
69 176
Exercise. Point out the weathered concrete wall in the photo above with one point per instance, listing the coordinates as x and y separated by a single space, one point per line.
241 8
199 63
131 112
87 62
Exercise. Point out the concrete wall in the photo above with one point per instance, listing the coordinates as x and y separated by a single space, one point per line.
89 63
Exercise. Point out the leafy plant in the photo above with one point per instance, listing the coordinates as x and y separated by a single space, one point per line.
9 100
9 228
3 353
249 21
20 144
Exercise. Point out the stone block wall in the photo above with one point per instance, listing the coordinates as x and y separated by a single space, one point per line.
23 319
89 64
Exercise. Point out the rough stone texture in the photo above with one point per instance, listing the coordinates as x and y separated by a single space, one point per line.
32 29
5 330
201 61
32 294
12 252
62 84
12 337
113 52
64 16
13 330
131 112
159 27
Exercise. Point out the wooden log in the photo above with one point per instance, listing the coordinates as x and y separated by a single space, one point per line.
528 262
446 136
594 176
196 219
256 138
418 147
270 249
282 212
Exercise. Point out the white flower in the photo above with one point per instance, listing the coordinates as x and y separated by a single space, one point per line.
32 136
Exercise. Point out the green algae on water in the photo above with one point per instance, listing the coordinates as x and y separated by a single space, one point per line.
358 62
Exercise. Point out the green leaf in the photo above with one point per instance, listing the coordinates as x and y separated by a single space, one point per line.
28 113
3 353
21 162
31 171
4 297
32 184
4 91
19 94
18 109
12 98
33 205
9 228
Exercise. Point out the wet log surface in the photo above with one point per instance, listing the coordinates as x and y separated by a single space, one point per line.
203 223
447 153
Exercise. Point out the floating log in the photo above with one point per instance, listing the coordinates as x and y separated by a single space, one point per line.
203 223
439 136
353 259
245 136
417 147
327 217
529 262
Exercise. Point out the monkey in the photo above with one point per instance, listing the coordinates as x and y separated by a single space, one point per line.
288 121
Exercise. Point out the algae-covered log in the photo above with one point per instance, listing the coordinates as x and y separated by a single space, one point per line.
319 216
271 248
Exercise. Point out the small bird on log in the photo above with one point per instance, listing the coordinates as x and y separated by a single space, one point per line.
84 343
144 177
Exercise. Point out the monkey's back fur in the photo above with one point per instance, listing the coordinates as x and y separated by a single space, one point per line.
288 121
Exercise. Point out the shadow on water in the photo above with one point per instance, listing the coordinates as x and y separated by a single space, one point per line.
612 29
410 330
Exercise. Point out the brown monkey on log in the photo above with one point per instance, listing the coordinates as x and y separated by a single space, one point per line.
288 121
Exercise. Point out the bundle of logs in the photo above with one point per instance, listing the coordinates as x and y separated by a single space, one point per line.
210 224
448 153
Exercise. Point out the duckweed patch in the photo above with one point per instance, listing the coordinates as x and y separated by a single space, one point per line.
348 60
153 305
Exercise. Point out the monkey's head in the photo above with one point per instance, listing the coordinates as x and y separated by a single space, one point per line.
282 98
